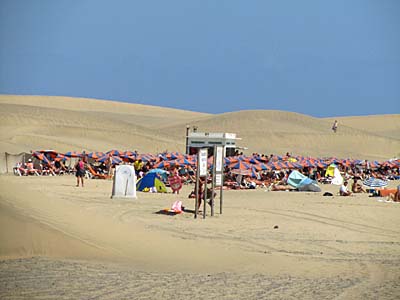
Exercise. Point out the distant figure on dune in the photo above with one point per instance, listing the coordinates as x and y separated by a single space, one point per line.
335 126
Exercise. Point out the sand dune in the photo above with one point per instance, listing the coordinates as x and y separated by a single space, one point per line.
62 123
280 132
384 125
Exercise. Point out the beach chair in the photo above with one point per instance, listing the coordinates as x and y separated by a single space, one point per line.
93 174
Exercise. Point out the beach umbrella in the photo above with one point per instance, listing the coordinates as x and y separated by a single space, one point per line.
128 153
271 166
183 162
240 165
73 154
290 165
165 164
49 153
126 158
114 159
173 155
374 164
306 163
252 160
114 152
41 157
261 166
230 160
262 159
375 182
95 155
61 157
146 157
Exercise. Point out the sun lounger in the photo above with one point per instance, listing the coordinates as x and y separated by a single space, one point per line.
96 175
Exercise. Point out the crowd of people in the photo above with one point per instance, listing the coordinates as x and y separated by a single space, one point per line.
273 178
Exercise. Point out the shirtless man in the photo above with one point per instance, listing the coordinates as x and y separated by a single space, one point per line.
356 187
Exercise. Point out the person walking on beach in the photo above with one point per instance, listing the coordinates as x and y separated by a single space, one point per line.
80 171
335 126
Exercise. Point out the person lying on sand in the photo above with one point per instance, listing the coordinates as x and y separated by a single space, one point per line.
343 190
356 187
280 187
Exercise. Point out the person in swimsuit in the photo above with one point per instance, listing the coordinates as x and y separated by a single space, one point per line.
80 171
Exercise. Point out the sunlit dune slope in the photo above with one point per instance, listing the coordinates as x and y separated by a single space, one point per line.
281 132
62 123
139 114
384 125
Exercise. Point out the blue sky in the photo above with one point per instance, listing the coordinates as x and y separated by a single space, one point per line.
321 58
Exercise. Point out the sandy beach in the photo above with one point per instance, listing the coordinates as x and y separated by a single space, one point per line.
58 241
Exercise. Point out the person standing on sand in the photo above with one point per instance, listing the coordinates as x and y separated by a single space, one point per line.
335 126
80 171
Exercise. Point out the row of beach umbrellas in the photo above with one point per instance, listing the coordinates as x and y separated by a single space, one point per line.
242 162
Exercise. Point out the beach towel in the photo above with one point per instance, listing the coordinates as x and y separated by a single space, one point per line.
176 208
386 192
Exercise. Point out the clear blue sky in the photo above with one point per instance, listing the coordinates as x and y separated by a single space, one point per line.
322 58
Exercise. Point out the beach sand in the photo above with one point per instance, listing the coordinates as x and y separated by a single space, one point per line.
61 241
58 241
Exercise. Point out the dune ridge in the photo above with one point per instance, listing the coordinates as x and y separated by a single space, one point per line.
64 123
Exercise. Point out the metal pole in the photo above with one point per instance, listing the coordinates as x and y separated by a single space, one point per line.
222 181
205 198
6 154
213 182
220 194
196 209
187 139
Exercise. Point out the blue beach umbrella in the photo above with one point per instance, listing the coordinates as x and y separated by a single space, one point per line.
375 182
114 159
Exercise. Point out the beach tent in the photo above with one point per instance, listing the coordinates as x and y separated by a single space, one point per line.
162 173
302 182
334 172
151 182
295 178
8 161
337 177
330 170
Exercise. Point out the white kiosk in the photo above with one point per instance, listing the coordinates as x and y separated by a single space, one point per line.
201 140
